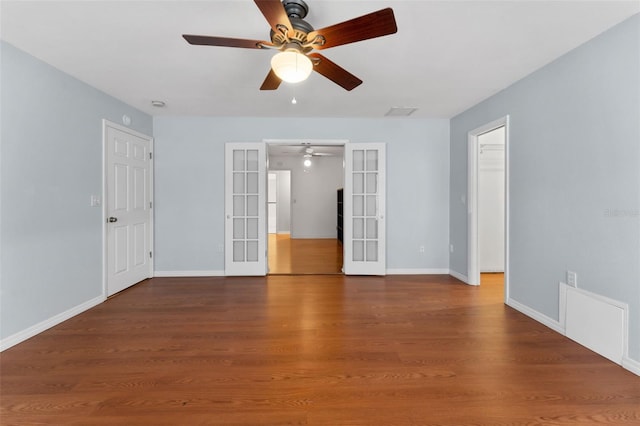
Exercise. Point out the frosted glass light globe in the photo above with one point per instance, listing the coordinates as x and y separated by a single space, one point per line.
291 66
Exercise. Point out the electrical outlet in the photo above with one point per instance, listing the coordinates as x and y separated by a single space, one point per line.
451 248
572 279
421 249
220 248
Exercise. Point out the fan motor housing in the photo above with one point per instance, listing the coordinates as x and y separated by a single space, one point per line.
296 11
295 8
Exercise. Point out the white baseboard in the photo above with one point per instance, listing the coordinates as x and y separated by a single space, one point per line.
399 271
431 271
188 273
393 271
532 313
459 276
631 365
23 335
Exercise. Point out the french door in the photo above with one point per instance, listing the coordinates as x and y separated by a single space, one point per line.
245 209
364 209
129 230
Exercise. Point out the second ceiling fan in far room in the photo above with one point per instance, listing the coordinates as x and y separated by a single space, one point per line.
297 41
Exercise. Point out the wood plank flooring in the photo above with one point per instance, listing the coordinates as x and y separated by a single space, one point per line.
494 279
304 255
317 350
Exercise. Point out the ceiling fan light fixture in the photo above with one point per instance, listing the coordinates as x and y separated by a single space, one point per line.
307 160
291 66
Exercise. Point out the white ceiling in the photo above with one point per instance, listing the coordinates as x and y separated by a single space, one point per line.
446 56
299 149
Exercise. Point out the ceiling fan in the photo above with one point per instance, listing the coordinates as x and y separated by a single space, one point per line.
309 153
296 41
312 152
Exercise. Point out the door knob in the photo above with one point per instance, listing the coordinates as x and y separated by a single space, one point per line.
113 219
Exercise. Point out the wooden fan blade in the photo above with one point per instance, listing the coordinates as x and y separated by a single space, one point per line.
272 82
225 41
274 12
334 72
373 25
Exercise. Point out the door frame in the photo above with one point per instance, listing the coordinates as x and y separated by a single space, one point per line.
105 249
473 268
302 142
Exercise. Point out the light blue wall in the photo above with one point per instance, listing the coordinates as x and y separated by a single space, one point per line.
574 175
50 165
189 183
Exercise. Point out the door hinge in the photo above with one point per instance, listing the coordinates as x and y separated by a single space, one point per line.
150 255
150 204
151 156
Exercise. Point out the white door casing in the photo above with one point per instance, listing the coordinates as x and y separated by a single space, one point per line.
245 209
365 209
128 181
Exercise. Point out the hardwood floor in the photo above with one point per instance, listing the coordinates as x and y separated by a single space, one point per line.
492 278
318 350
304 255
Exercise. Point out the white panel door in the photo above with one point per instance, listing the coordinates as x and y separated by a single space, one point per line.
364 209
128 208
245 209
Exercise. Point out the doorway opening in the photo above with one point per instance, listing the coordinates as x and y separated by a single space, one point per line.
303 183
488 200
362 172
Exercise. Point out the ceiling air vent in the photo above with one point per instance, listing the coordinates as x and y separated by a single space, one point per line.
400 111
